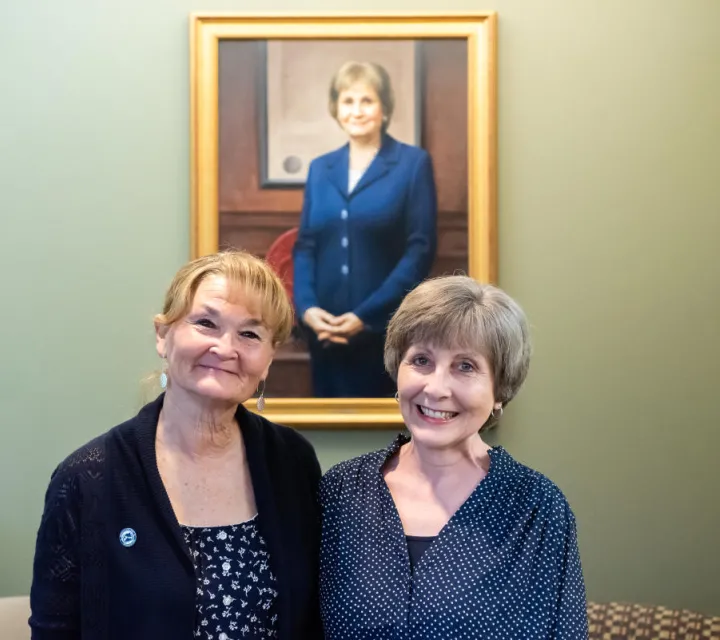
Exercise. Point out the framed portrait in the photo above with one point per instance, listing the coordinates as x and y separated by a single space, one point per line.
356 154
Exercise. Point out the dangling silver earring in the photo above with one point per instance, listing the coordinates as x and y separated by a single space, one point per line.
163 377
492 413
397 396
261 397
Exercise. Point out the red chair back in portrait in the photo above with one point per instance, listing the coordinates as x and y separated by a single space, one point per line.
279 257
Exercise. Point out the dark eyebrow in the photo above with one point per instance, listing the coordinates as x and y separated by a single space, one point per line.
250 322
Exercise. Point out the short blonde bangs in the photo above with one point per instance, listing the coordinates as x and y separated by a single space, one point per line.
251 280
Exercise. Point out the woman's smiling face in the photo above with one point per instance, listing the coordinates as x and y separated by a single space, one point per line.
221 349
360 112
445 394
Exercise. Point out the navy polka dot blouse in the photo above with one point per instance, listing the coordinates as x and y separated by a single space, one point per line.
505 567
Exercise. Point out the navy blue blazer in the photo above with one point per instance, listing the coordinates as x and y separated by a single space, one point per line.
364 251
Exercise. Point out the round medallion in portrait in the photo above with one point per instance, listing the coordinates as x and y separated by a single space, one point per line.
292 164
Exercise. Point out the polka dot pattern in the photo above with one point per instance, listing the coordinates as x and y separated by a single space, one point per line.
505 567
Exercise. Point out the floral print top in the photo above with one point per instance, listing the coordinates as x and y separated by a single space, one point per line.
236 590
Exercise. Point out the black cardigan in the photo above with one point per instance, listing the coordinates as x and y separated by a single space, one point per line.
88 586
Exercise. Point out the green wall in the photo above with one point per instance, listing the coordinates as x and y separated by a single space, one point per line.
609 198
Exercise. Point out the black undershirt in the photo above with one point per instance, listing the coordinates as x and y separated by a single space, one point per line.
417 545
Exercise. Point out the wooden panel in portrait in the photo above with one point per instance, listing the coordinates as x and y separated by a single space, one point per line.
443 81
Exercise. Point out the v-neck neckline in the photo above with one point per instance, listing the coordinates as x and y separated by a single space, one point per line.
481 489
251 432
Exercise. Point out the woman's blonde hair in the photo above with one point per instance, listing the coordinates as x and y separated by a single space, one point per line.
244 271
460 312
372 74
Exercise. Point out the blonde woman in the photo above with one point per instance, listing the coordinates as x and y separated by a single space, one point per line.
196 518
367 236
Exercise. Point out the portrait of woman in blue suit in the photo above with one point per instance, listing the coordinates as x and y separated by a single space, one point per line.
367 237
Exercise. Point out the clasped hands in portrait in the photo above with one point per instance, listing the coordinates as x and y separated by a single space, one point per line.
330 328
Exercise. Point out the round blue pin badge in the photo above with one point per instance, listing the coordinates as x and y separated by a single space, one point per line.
128 537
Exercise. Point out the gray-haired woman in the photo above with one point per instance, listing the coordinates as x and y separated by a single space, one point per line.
440 535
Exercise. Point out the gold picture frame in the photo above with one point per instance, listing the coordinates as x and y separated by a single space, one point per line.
475 32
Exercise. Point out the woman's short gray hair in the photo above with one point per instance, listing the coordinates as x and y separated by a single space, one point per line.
460 312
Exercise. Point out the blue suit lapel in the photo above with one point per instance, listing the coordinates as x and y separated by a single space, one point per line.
338 164
386 158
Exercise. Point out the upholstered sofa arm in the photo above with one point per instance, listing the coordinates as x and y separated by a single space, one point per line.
620 621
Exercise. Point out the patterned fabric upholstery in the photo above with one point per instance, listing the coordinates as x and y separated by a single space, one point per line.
618 621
